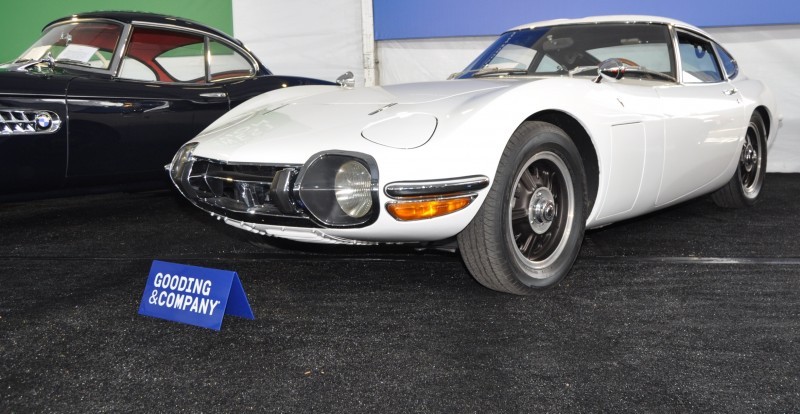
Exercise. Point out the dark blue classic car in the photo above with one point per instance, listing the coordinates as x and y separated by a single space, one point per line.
107 98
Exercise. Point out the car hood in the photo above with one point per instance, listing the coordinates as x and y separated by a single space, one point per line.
407 94
398 116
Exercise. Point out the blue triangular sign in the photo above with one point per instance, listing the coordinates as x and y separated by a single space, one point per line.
194 295
237 300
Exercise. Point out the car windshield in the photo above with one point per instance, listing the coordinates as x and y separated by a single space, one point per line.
86 44
575 50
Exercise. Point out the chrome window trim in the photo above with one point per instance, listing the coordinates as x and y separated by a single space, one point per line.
122 46
690 32
673 53
239 49
632 21
676 54
672 46
115 57
717 48
253 64
207 58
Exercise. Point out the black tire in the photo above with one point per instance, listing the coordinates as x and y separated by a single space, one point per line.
745 185
529 229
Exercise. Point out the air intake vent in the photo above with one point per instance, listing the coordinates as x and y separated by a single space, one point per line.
24 122
243 191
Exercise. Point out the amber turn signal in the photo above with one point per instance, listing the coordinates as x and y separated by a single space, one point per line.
425 209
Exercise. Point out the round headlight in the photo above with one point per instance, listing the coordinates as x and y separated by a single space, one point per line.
339 189
353 189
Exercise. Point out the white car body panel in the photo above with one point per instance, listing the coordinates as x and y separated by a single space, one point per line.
657 143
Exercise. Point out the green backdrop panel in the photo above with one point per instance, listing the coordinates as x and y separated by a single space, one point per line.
24 21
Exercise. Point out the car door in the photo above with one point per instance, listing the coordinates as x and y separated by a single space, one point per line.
704 123
631 107
129 126
33 137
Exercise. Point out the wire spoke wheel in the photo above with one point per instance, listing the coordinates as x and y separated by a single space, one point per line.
529 228
744 187
750 166
541 206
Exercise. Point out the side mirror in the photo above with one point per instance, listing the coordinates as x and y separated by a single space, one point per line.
347 80
48 59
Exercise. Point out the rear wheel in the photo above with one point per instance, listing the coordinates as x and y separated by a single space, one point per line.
745 185
530 227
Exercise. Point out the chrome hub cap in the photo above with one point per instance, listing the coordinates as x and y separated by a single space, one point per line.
542 210
749 157
751 166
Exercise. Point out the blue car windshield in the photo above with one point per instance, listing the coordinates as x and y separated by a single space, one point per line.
512 51
574 49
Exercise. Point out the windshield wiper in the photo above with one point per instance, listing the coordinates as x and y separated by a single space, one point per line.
74 62
499 71
33 63
578 69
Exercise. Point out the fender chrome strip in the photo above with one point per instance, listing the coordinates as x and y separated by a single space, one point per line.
441 187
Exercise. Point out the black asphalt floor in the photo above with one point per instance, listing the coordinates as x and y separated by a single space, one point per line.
691 309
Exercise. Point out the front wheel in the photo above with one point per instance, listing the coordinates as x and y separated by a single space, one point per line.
529 229
745 185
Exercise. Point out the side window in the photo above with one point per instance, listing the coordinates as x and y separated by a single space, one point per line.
728 62
164 56
697 60
647 46
651 55
226 63
184 63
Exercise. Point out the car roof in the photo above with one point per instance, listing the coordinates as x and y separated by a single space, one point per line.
131 17
622 18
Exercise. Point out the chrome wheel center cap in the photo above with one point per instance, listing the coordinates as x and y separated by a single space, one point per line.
541 210
749 157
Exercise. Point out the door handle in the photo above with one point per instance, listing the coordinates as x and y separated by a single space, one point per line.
731 91
214 95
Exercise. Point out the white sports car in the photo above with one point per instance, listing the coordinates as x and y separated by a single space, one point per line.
558 126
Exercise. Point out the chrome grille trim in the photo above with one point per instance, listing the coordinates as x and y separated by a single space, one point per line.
236 188
28 121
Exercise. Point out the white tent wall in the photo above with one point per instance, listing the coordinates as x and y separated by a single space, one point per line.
767 53
318 39
420 60
325 39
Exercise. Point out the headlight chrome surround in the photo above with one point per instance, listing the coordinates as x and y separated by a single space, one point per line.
339 188
182 158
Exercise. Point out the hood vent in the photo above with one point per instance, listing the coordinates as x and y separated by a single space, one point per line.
382 108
